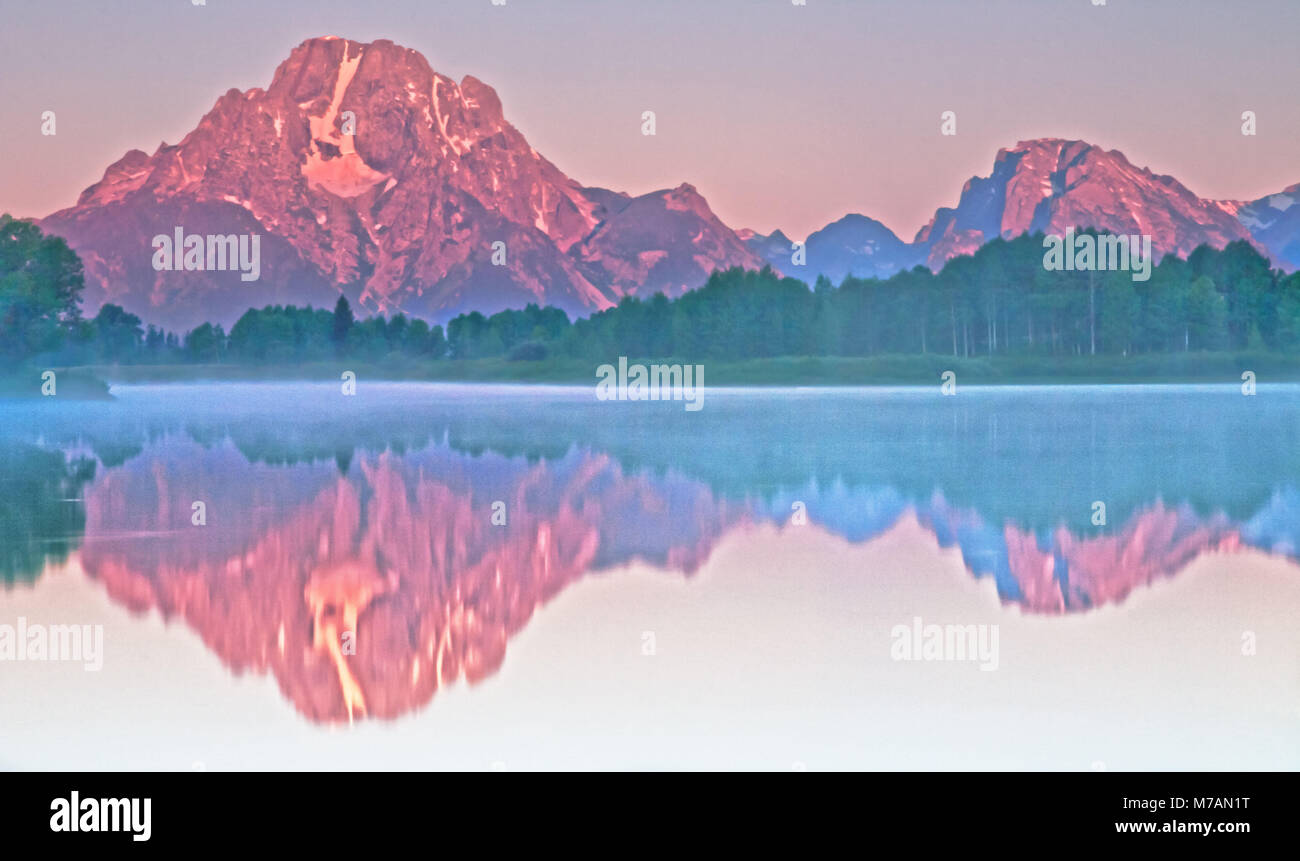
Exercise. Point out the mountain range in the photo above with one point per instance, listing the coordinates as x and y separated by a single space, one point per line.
367 173
1050 185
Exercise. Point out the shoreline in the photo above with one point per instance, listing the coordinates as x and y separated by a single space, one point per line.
92 381
1173 369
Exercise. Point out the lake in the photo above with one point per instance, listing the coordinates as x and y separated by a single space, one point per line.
442 576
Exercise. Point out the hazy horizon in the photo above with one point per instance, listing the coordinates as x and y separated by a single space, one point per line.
849 123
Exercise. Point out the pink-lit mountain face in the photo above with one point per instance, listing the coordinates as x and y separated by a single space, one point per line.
368 173
1051 185
1048 185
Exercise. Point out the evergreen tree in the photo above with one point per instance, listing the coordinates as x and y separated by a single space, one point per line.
343 320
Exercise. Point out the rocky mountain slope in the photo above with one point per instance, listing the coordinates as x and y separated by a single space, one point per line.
366 172
1049 185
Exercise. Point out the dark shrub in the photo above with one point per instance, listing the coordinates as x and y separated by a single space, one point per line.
528 351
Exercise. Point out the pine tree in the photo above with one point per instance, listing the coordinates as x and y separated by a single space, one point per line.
343 320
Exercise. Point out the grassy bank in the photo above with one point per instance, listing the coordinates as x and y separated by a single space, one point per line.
786 371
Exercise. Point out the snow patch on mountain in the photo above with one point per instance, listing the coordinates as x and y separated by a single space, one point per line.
332 161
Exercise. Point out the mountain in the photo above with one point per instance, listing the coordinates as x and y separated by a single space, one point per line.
402 214
775 247
855 245
666 241
408 210
1274 221
1049 185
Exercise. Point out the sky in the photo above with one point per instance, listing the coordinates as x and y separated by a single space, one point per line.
783 116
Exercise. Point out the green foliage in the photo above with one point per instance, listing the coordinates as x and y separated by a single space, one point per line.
42 516
343 320
41 281
117 335
528 351
1000 302
205 344
290 334
473 336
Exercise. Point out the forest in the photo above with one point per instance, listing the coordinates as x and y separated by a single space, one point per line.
1001 301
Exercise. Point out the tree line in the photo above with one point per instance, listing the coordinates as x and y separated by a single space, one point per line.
1000 301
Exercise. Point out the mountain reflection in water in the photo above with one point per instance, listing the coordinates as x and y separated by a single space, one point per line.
350 549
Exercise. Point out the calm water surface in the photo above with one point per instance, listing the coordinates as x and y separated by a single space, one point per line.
712 589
